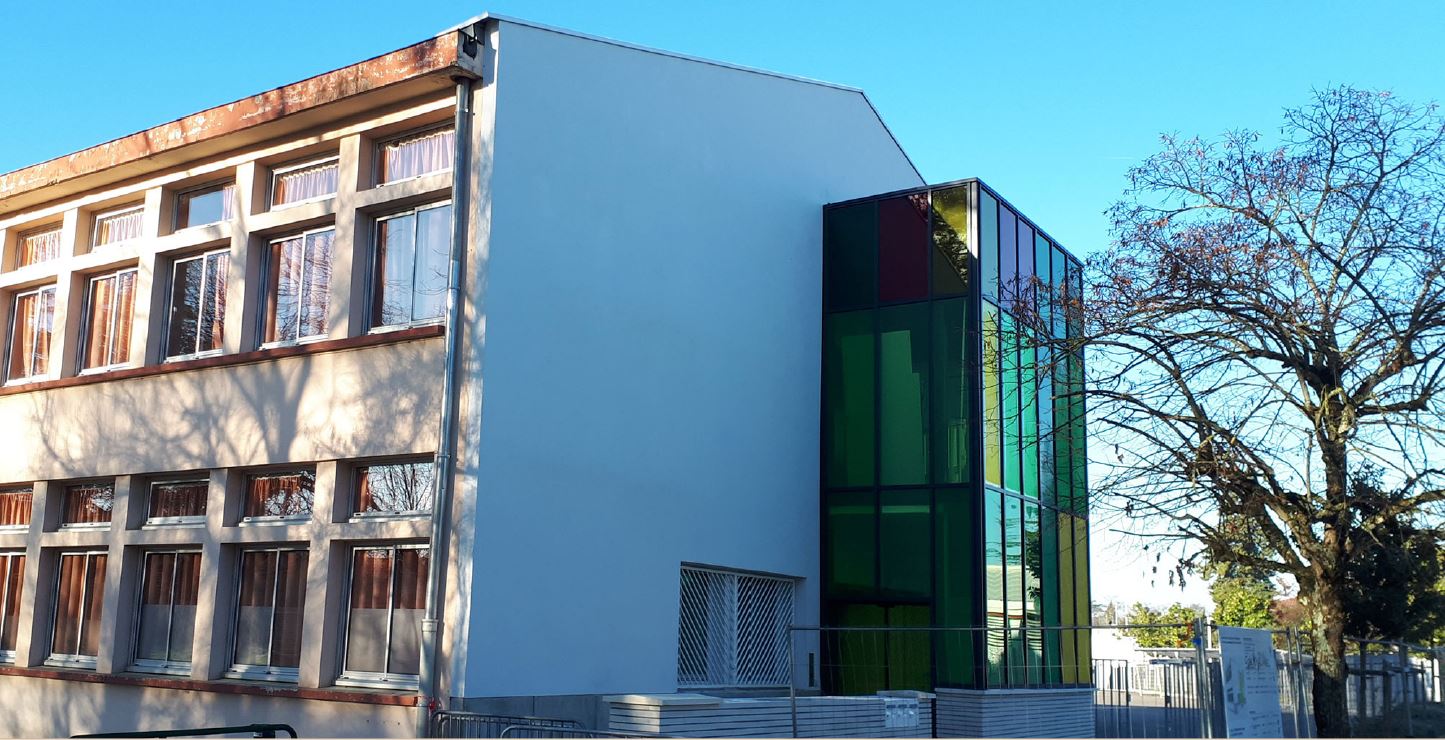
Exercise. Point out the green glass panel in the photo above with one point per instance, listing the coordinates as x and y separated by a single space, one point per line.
992 411
955 538
855 663
1069 655
848 408
1081 598
1063 433
1033 592
1049 532
988 245
1029 418
903 394
996 602
950 241
910 655
1045 375
905 531
850 255
851 538
951 414
1013 557
1077 441
1011 423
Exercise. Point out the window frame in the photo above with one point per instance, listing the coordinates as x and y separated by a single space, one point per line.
152 522
150 665
83 526
373 274
181 195
8 558
20 237
30 518
170 308
10 332
88 317
98 216
373 679
284 169
268 289
74 660
285 519
373 516
246 671
378 149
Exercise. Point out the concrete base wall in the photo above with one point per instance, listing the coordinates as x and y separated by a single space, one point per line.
896 714
1016 713
40 707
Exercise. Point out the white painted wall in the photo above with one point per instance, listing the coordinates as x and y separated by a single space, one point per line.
652 327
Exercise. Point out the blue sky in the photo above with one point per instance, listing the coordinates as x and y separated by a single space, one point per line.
1050 102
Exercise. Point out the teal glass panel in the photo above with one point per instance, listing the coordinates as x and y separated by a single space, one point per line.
951 416
996 603
910 655
1056 283
1008 335
1029 417
1063 433
903 362
1049 532
905 533
1033 592
950 241
955 544
1008 257
1047 489
848 408
850 256
855 663
852 544
1013 557
988 245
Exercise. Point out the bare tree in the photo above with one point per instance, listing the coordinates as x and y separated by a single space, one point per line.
1267 321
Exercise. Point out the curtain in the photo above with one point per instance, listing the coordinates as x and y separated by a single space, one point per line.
290 609
413 156
183 605
316 284
66 635
394 489
305 183
94 602
186 498
286 259
287 494
15 506
213 302
155 605
102 321
39 246
300 286
10 610
32 322
88 504
118 227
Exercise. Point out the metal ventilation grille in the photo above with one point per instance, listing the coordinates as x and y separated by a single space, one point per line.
733 629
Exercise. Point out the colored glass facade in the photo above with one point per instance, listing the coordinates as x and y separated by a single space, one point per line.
953 480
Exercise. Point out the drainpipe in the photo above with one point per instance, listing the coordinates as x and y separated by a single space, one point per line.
445 465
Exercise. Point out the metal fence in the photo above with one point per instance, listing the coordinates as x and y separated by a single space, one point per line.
473 725
1390 683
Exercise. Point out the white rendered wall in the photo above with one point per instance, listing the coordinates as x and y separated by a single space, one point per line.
651 349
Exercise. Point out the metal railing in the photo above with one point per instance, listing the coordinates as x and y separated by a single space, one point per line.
256 730
532 731
449 723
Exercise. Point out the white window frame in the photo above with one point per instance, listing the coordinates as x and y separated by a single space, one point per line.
148 665
10 334
723 624
174 521
246 671
19 528
374 274
265 520
372 679
378 149
269 290
65 492
171 309
54 228
87 322
72 660
333 159
8 557
99 216
183 194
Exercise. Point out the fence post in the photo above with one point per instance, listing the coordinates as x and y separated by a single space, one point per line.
1202 679
793 681
1407 686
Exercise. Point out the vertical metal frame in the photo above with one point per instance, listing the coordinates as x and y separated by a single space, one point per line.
15 324
151 665
374 275
247 670
88 317
73 658
205 258
384 678
269 290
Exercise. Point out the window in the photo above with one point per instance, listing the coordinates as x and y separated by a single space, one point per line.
269 610
12 583
300 280
88 505
412 260
15 506
285 495
31 325
303 182
397 488
383 622
177 501
108 321
166 616
119 225
415 155
80 585
733 629
198 304
40 245
207 205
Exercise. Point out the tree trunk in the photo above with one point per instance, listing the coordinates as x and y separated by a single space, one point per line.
1332 718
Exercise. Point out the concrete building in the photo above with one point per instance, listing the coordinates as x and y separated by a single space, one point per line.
474 375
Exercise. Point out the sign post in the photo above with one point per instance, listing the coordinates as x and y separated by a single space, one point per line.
1250 674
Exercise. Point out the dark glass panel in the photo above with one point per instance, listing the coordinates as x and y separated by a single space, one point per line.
1008 262
996 599
910 659
212 328
950 241
255 608
1042 269
1013 557
408 595
852 543
367 615
178 499
903 248
855 663
952 415
290 609
955 543
1057 281
988 265
1022 291
903 394
157 588
905 533
91 626
12 568
184 598
1033 592
849 400
190 275
850 241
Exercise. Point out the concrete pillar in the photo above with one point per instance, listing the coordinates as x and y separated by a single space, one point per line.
350 252
244 281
